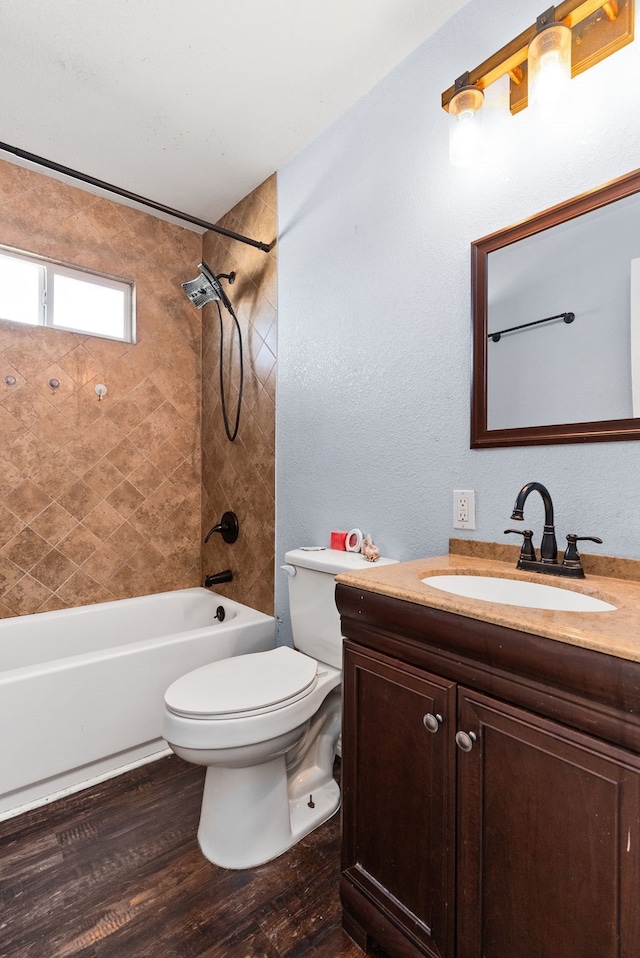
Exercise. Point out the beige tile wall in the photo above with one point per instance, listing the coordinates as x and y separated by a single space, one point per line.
99 500
104 500
241 475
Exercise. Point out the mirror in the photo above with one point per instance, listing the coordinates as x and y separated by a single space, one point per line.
556 324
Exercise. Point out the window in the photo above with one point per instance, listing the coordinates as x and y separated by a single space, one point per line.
41 292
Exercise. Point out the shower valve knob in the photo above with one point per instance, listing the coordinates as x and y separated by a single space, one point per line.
228 527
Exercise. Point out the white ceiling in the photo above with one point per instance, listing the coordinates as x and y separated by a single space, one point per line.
193 103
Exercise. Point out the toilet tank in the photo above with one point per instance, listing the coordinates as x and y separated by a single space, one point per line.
314 617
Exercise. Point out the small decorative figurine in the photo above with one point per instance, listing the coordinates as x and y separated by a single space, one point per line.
369 550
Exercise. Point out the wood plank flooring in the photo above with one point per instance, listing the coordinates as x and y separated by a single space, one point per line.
115 872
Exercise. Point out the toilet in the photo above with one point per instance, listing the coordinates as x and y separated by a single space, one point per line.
267 724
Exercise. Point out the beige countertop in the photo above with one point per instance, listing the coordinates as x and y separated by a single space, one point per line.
614 632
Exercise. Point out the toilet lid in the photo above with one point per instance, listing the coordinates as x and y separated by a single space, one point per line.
249 684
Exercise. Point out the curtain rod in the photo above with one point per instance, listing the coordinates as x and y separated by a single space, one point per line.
110 188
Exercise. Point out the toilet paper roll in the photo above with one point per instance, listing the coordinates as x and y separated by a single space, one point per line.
338 540
353 541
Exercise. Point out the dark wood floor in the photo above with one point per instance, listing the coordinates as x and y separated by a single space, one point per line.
115 872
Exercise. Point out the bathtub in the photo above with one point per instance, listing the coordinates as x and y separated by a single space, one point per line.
81 690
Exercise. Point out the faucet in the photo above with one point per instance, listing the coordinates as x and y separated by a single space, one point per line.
548 546
218 578
548 562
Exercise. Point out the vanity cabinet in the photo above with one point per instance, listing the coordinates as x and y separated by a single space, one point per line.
519 840
398 810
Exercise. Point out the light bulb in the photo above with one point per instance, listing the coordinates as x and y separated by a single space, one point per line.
549 66
465 131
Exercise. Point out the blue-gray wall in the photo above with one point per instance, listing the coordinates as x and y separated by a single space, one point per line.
374 305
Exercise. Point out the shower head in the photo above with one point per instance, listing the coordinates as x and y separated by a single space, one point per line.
206 288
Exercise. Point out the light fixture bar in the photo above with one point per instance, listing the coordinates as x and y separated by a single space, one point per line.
598 29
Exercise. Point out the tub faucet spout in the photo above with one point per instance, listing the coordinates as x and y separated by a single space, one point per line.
548 546
218 578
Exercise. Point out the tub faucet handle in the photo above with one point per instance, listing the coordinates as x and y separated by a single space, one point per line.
228 527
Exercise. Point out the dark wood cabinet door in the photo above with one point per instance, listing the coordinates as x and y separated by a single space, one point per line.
398 798
548 839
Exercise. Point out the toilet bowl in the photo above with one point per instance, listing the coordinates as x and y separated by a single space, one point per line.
266 725
261 793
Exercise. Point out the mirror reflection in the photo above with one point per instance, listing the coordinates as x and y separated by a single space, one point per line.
557 323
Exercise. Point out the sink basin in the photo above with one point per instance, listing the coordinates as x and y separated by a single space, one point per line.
530 595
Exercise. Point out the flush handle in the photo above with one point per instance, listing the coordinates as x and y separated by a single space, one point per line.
432 722
465 740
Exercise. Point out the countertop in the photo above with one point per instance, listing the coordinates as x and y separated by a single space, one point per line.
614 633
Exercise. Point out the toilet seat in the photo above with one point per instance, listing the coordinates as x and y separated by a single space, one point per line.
244 685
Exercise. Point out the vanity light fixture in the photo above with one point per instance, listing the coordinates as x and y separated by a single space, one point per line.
549 61
465 130
575 35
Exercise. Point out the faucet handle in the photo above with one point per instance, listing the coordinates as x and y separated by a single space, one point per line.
527 551
571 555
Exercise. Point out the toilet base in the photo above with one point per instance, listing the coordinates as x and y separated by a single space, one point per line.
248 816
326 801
253 813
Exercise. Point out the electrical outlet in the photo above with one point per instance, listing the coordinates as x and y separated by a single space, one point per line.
464 509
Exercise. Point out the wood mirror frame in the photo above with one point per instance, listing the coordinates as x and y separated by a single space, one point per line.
481 436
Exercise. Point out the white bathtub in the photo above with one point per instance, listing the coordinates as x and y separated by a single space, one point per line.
81 690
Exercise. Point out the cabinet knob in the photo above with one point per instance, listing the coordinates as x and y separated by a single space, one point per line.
432 722
465 740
